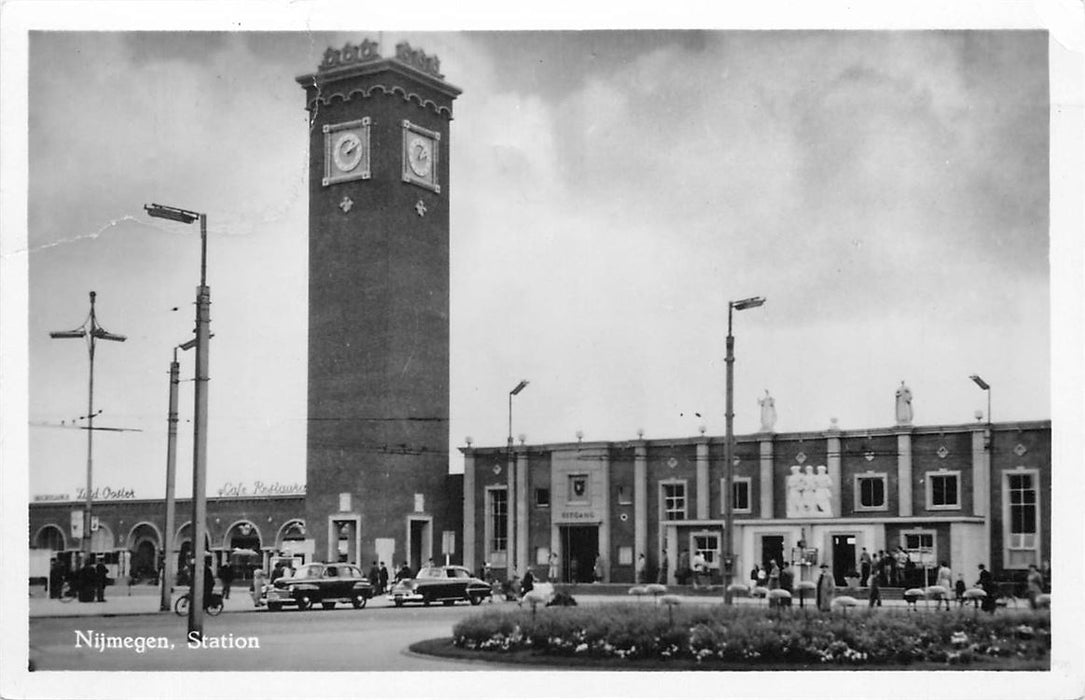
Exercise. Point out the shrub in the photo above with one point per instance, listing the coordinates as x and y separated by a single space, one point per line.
750 635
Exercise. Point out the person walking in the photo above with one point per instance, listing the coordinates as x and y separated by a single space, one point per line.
787 579
944 578
226 574
374 577
383 577
959 589
864 567
682 572
642 565
1035 582
875 599
598 569
552 563
527 583
101 578
774 575
664 565
700 566
987 583
826 587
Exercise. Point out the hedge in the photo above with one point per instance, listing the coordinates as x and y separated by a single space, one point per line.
748 635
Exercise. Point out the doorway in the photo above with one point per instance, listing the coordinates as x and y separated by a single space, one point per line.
843 558
419 542
772 549
579 548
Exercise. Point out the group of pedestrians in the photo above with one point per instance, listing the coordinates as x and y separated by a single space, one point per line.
378 578
88 583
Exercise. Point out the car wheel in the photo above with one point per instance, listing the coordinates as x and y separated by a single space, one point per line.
274 607
476 599
398 603
359 602
305 602
328 606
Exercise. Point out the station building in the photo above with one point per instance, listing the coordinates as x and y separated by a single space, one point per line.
966 494
129 534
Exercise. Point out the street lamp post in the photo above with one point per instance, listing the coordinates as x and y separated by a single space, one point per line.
986 387
729 446
199 432
92 332
513 487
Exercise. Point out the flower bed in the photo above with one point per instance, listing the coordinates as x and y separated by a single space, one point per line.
756 636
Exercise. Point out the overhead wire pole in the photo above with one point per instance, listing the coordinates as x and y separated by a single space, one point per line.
93 333
168 562
199 431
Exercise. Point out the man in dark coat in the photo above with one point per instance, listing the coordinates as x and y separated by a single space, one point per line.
787 578
101 576
987 583
383 577
374 578
826 587
226 574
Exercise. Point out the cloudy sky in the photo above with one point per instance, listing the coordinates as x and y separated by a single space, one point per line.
886 191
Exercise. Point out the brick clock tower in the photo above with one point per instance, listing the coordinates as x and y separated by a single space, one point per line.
377 449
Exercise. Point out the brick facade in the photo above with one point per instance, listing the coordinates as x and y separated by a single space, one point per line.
377 445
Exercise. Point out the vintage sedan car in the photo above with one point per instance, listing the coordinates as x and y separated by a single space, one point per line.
323 584
446 584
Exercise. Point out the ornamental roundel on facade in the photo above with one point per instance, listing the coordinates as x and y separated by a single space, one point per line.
497 469
672 462
869 455
623 517
1019 450
801 457
942 452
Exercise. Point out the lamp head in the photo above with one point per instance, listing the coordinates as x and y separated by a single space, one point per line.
161 211
979 382
519 387
749 303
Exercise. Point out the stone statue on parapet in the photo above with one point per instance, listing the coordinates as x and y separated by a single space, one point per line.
904 404
768 412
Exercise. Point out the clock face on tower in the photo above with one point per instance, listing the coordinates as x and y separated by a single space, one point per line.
420 149
346 151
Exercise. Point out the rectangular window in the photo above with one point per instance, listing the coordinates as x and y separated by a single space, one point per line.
499 523
674 500
624 496
707 544
943 490
919 545
1022 519
625 555
542 498
740 491
870 492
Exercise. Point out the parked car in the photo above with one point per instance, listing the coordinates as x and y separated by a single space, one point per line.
323 584
446 584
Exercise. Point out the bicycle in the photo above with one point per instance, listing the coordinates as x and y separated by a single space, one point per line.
68 592
212 606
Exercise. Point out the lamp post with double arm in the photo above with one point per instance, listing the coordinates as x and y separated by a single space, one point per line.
92 332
